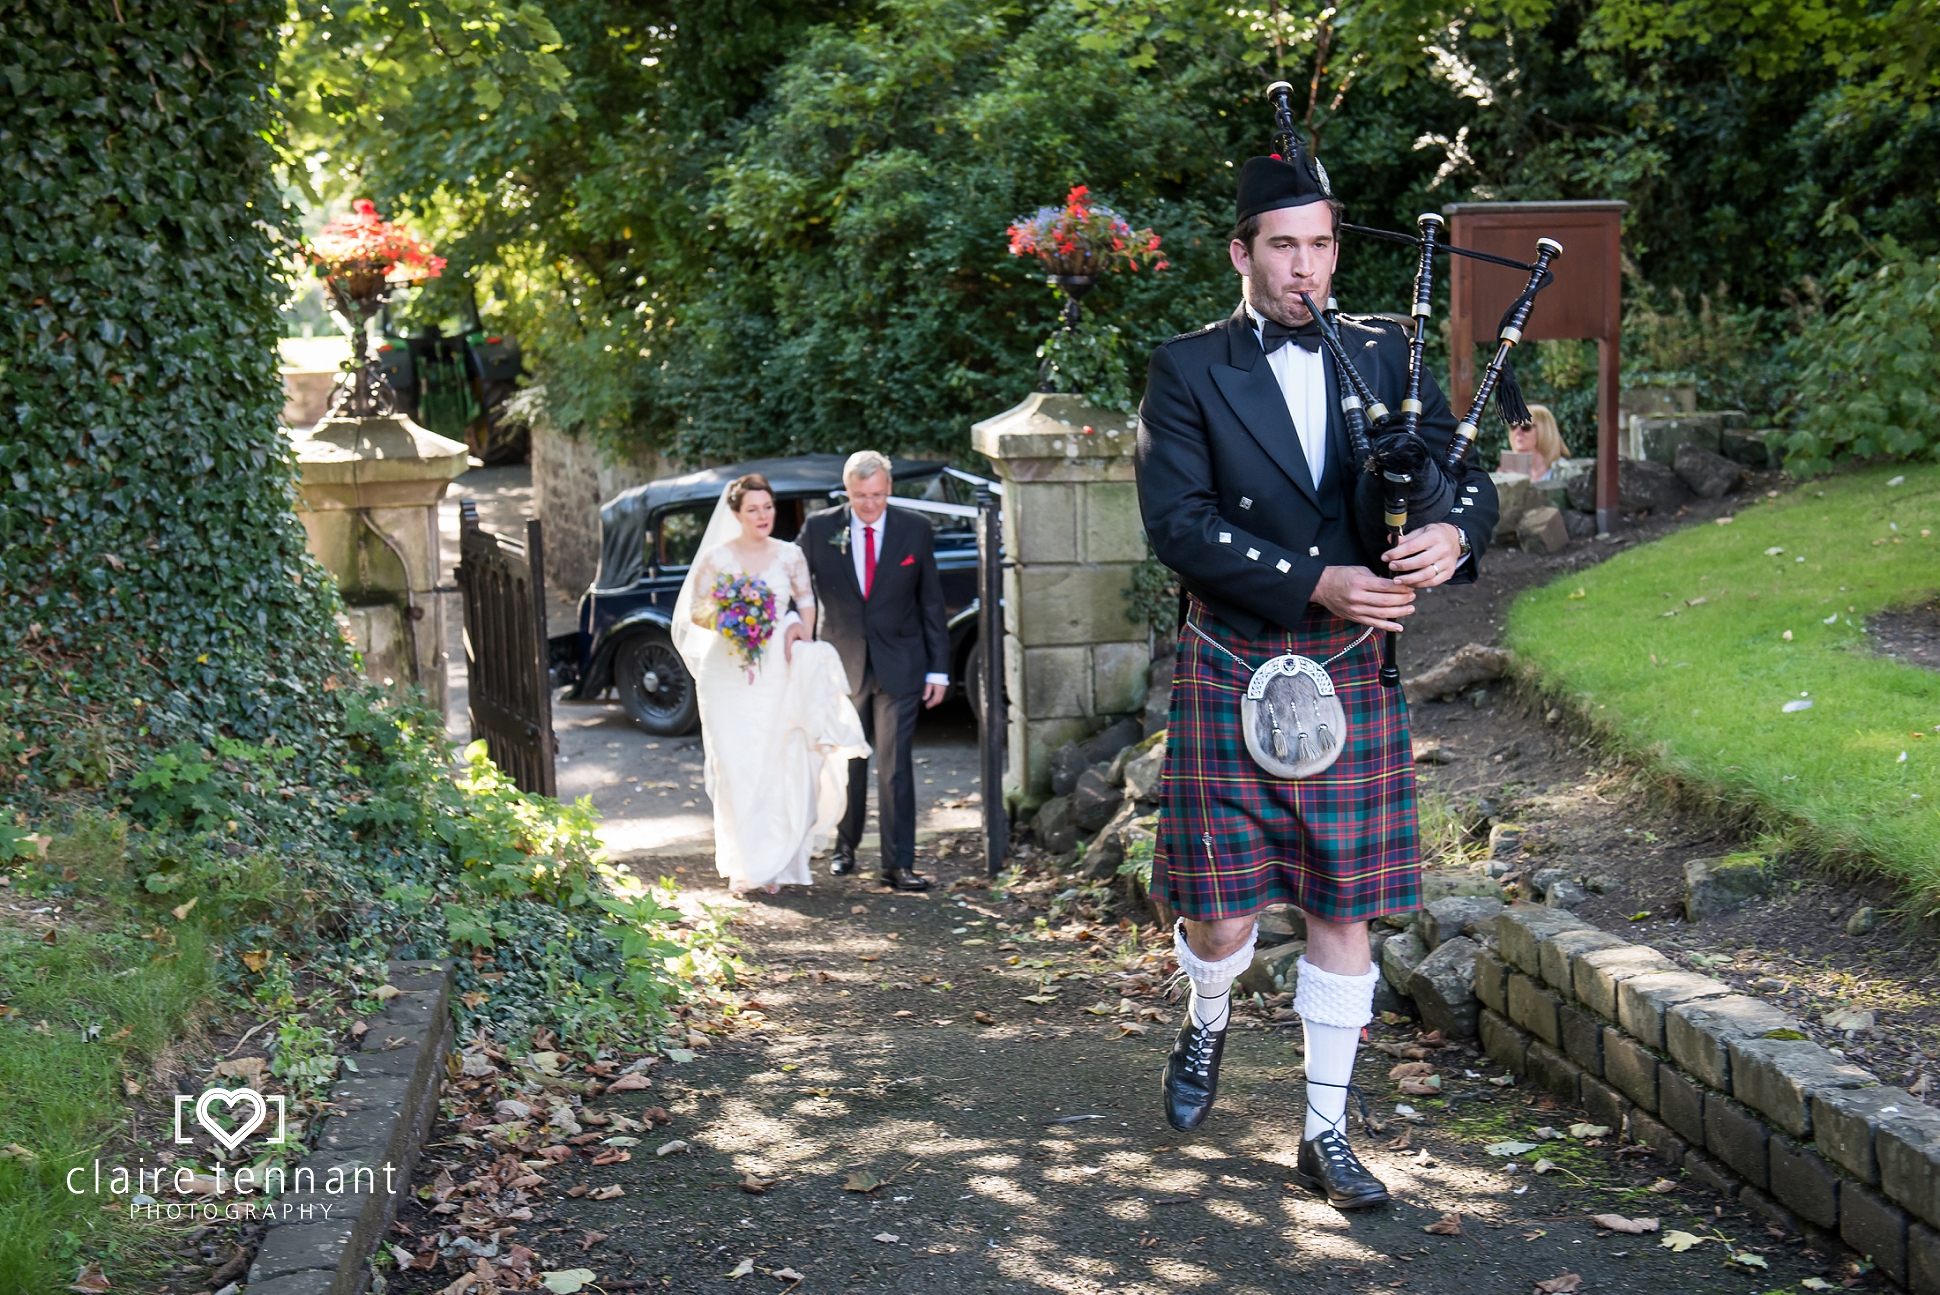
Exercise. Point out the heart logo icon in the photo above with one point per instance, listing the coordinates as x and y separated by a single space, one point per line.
231 1098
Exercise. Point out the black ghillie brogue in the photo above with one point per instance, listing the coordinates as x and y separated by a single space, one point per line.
1328 1165
1192 1074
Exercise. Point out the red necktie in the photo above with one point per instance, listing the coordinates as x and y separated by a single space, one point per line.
868 559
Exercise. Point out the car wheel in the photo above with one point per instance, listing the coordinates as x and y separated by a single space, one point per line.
655 687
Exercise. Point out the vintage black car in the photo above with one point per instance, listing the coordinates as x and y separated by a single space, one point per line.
649 535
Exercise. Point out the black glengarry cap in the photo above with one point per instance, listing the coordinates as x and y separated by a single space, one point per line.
1270 183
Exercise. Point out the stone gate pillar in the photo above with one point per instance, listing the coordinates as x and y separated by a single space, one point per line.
1074 660
369 501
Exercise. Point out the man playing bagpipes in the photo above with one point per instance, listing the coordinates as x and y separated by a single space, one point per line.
1291 780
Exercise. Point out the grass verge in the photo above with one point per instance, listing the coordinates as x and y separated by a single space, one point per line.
1687 651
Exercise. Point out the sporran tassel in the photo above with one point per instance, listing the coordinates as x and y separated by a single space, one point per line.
1308 750
1279 741
1508 398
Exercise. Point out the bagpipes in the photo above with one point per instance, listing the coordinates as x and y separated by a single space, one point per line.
1399 484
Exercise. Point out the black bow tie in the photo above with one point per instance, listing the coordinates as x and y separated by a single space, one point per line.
1274 335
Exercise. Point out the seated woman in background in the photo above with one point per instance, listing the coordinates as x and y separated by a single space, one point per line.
1541 440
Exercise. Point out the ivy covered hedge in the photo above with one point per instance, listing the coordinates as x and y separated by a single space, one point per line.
169 654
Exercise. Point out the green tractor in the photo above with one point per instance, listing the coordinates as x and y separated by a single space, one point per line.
457 385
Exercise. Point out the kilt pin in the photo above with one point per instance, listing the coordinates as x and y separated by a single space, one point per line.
1342 845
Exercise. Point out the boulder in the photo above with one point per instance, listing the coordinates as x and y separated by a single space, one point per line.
1281 923
1642 486
1514 496
1102 748
1055 831
1158 694
1545 878
1581 526
1447 918
1658 439
1759 448
1273 969
1440 883
1710 475
1094 801
1142 774
1862 922
1067 764
1505 841
1543 531
1399 956
1443 987
1108 850
1462 669
1565 892
1716 886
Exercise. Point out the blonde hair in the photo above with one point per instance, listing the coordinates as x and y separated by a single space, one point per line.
864 464
1549 438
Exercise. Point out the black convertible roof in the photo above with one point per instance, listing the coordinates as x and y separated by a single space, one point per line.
623 519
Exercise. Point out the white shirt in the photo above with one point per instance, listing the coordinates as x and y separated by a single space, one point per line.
858 549
1303 383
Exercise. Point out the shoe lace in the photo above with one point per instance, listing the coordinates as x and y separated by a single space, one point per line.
1337 1127
1199 1056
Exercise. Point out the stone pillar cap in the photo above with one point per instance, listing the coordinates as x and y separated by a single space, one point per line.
383 462
1047 425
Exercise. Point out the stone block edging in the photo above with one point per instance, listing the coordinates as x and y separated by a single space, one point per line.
1720 1083
320 1240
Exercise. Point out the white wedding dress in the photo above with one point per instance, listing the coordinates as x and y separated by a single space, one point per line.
778 744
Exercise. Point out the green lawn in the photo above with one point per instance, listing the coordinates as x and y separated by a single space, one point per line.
1679 650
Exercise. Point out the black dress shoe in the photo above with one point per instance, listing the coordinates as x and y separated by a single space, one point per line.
1328 1165
843 861
1192 1074
904 879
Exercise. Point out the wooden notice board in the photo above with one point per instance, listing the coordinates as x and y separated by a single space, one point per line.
1585 301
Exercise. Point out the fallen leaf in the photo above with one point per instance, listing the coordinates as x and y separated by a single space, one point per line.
591 1239
1681 1241
673 1148
629 1084
1131 1027
868 957
754 1186
1509 1148
255 959
14 1151
1661 1186
1618 1223
1448 1225
888 1238
468 1280
983 1018
743 1268
862 1181
1560 1285
1543 1165
90 1282
1428 1087
1749 1260
609 1193
787 1274
1101 1009
568 1280
182 911
1040 999
615 1157
1818 1284
1582 1131
385 993
1537 1235
1411 1070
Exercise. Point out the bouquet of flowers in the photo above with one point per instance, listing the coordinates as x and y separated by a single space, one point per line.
744 613
1083 238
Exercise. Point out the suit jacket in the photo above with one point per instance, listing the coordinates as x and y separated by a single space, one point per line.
1228 500
898 631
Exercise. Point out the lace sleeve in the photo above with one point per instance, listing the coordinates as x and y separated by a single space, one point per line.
702 610
796 564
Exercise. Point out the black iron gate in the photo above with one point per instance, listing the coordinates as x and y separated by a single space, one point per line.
990 643
504 589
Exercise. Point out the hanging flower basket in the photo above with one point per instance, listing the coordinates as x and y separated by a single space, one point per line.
361 258
1083 239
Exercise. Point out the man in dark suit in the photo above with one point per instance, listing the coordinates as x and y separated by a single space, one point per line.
881 603
1246 481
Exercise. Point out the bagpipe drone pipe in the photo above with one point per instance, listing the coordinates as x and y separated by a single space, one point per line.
1400 486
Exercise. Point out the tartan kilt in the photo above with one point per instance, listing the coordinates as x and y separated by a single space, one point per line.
1342 845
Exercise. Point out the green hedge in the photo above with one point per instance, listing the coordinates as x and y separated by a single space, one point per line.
153 579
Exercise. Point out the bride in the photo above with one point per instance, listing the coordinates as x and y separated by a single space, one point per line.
776 720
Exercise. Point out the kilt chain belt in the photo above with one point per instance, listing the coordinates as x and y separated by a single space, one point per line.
1295 692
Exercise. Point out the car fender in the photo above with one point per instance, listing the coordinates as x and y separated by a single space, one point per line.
599 672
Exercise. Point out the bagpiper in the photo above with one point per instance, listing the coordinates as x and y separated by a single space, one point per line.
1289 775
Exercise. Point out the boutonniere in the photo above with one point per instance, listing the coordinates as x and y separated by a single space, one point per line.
841 540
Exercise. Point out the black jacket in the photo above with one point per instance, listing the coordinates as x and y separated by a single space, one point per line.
898 631
1228 500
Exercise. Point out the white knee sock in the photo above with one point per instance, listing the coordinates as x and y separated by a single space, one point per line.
1332 1009
1212 982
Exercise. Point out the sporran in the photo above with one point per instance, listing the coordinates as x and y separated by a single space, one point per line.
1294 724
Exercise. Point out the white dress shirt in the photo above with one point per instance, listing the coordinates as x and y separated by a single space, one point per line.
858 549
1303 383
